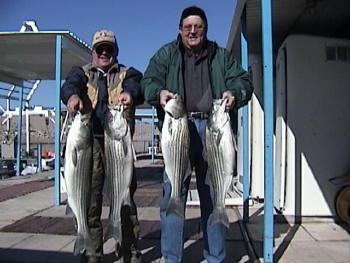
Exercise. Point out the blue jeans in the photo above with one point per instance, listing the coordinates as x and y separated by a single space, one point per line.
172 225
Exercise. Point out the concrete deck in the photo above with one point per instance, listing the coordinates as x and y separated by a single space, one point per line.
33 229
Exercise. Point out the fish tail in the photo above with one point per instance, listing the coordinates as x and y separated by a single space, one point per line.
175 206
83 242
114 231
219 215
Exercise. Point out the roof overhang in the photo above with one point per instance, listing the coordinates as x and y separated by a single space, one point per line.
329 18
32 55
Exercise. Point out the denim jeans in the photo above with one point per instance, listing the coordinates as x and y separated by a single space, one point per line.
172 225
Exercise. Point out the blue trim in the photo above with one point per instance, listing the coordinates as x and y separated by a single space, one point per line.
57 190
19 133
268 122
153 126
245 124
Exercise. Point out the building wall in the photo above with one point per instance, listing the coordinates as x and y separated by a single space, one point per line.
41 131
313 105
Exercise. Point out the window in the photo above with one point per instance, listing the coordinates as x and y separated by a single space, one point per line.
338 53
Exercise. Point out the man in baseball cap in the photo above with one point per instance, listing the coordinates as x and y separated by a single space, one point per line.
92 88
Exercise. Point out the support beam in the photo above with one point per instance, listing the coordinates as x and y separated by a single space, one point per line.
245 123
268 123
58 77
19 132
153 127
29 96
8 105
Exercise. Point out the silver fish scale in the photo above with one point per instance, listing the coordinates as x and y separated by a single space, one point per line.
119 169
116 173
77 175
216 167
175 146
220 152
178 148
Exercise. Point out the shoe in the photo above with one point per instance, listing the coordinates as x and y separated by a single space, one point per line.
136 257
90 259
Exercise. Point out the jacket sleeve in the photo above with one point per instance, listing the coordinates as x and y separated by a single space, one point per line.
237 81
132 85
74 84
154 79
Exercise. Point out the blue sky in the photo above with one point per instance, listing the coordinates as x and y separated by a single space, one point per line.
141 27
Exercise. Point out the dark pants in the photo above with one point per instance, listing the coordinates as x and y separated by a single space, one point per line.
130 224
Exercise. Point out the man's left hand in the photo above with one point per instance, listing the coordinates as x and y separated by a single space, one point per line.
125 99
230 100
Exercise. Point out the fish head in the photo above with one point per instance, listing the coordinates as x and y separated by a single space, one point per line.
82 125
116 124
175 107
218 116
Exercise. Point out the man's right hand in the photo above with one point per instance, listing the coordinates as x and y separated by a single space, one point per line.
74 104
164 96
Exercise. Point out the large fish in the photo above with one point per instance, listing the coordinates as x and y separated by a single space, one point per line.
119 167
175 144
220 152
77 177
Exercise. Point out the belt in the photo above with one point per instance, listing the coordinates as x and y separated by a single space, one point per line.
198 115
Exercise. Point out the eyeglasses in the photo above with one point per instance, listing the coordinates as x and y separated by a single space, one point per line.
197 28
104 48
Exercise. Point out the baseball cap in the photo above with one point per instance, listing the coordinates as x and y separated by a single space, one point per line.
103 36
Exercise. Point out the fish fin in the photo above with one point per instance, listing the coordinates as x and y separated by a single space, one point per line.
114 231
75 156
83 242
218 138
165 176
234 141
205 155
127 199
125 146
69 210
188 170
208 179
175 206
170 126
219 215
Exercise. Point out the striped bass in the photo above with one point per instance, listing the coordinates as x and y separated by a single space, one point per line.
175 144
77 177
119 167
220 151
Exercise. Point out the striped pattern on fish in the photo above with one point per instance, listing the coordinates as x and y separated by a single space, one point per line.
220 151
175 144
119 168
77 177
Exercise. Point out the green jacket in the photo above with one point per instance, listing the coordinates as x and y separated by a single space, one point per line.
164 72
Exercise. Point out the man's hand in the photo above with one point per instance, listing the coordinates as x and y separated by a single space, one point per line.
125 99
74 104
230 100
164 96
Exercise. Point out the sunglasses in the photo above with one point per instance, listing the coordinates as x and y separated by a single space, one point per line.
104 48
